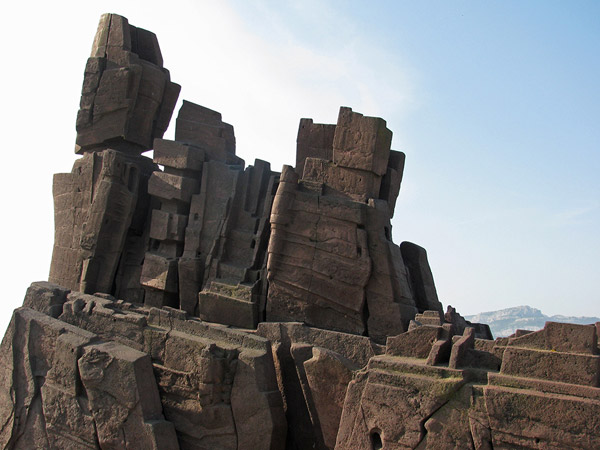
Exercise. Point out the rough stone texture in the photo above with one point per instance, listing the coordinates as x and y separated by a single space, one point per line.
234 281
100 219
215 385
314 368
520 403
421 278
127 97
318 262
203 127
196 303
46 297
70 390
332 262
361 142
376 402
315 140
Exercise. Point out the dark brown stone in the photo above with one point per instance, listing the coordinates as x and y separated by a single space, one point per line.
315 140
196 303
177 155
127 96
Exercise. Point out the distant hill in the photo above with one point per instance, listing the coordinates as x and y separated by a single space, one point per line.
505 321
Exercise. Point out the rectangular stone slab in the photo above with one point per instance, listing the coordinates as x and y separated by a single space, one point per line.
361 142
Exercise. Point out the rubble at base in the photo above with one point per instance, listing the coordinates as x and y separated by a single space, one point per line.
197 303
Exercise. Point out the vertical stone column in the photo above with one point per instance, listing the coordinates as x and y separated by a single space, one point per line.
174 188
234 279
332 262
101 207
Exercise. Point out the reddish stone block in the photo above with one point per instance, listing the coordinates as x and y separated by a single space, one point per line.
315 140
361 142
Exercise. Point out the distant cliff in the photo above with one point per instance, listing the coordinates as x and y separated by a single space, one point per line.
505 321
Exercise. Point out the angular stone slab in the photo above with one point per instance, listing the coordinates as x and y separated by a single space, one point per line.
315 140
127 96
177 155
159 273
172 187
415 343
361 142
124 398
168 226
229 305
359 185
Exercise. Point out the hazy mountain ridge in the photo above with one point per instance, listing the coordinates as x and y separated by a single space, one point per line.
504 322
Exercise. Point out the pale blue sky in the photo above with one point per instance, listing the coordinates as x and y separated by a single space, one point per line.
496 105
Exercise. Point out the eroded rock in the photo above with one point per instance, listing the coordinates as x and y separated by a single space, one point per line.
196 303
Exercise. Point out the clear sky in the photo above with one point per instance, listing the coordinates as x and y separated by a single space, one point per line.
495 103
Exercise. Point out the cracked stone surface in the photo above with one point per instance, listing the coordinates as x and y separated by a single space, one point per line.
194 302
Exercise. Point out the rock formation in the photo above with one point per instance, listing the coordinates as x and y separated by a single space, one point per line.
197 303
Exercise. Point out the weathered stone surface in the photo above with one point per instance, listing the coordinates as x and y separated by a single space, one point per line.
123 398
203 127
196 303
234 275
318 260
74 393
559 352
391 181
359 185
159 273
434 318
228 304
421 278
361 142
100 233
376 410
560 337
166 226
314 368
328 374
172 187
216 386
461 347
415 343
46 298
177 155
127 97
448 428
389 297
534 419
315 140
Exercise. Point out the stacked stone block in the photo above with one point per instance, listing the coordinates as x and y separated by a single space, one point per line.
127 97
101 207
173 188
336 206
209 237
348 346
202 126
234 281
532 390
110 374
100 212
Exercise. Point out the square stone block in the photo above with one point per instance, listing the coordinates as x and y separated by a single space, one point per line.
361 142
